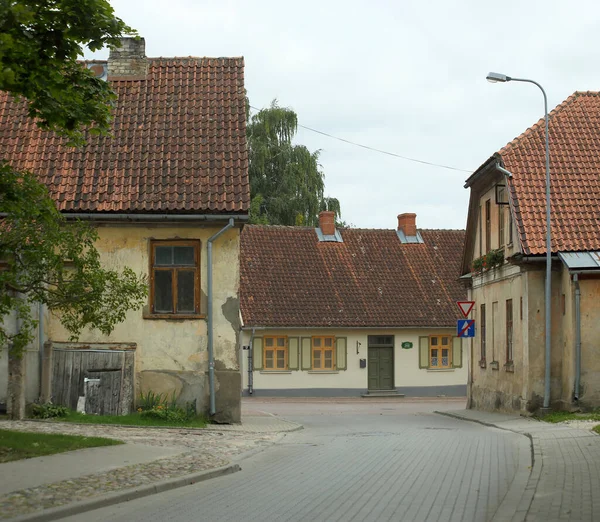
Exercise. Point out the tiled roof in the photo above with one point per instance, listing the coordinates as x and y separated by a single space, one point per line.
178 145
289 278
574 131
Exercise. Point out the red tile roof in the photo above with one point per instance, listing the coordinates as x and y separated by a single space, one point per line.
574 130
289 278
178 145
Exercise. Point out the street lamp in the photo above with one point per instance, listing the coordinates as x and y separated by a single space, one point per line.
494 78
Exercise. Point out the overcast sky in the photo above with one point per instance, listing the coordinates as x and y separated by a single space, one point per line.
407 77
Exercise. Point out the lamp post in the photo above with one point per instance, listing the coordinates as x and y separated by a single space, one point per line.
493 78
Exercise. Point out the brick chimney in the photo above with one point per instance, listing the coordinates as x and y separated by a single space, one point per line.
407 223
129 60
327 222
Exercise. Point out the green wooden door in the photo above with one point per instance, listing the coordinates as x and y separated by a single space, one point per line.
381 368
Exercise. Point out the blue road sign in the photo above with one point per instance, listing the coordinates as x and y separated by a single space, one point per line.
465 327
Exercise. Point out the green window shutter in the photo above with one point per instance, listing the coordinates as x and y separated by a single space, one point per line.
306 353
293 362
424 352
341 354
457 352
257 353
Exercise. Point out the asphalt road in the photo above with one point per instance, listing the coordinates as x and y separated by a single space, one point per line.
354 461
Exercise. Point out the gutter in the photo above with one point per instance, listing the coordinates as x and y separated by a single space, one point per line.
150 218
211 358
153 218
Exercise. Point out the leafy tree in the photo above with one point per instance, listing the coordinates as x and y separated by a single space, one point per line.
286 181
40 43
42 258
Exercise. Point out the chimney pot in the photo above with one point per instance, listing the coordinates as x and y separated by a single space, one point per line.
407 223
327 222
129 59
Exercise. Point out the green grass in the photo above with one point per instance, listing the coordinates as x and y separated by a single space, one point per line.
597 429
133 419
561 416
16 445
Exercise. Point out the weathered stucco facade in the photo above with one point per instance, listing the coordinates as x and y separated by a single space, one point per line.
171 354
158 186
504 267
409 378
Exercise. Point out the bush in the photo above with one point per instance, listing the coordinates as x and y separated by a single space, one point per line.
48 411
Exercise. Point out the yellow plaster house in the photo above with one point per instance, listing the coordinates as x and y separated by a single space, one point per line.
168 193
504 265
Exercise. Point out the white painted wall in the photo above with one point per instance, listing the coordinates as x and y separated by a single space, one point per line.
406 362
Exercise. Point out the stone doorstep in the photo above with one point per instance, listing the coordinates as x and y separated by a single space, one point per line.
381 393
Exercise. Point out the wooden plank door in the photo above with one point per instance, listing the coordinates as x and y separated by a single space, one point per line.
381 368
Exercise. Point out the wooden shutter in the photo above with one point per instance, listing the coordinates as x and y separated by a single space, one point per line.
341 354
306 355
457 352
257 353
424 352
293 361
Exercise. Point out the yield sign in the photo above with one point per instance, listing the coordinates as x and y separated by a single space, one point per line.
465 307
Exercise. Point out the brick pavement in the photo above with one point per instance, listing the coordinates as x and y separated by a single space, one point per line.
355 467
564 483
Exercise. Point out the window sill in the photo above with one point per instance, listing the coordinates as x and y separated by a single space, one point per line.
495 365
435 370
323 371
266 372
509 367
482 364
173 317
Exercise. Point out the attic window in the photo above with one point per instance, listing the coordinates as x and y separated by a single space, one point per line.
409 239
501 195
333 238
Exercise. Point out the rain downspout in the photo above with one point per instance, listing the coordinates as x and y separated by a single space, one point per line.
250 365
40 341
577 337
211 357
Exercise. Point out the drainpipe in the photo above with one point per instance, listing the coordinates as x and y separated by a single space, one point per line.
40 342
250 365
577 336
211 357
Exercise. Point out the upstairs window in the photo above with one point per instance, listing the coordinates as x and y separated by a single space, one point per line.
175 277
488 226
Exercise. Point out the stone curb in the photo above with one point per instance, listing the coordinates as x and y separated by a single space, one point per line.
209 427
125 496
517 501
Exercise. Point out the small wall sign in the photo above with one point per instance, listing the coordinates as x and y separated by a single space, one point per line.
407 345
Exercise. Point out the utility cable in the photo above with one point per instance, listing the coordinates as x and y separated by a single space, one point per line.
379 150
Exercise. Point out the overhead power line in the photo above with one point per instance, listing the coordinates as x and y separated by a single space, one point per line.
379 150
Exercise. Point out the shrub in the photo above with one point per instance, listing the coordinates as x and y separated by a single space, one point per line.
48 411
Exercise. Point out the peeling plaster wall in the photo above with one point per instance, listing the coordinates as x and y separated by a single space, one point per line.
523 388
590 343
172 354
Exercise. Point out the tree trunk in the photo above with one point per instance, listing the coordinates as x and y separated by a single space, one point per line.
15 401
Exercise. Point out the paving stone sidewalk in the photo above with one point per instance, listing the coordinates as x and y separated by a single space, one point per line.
564 482
200 449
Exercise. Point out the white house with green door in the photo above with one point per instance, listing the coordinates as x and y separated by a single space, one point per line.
332 312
